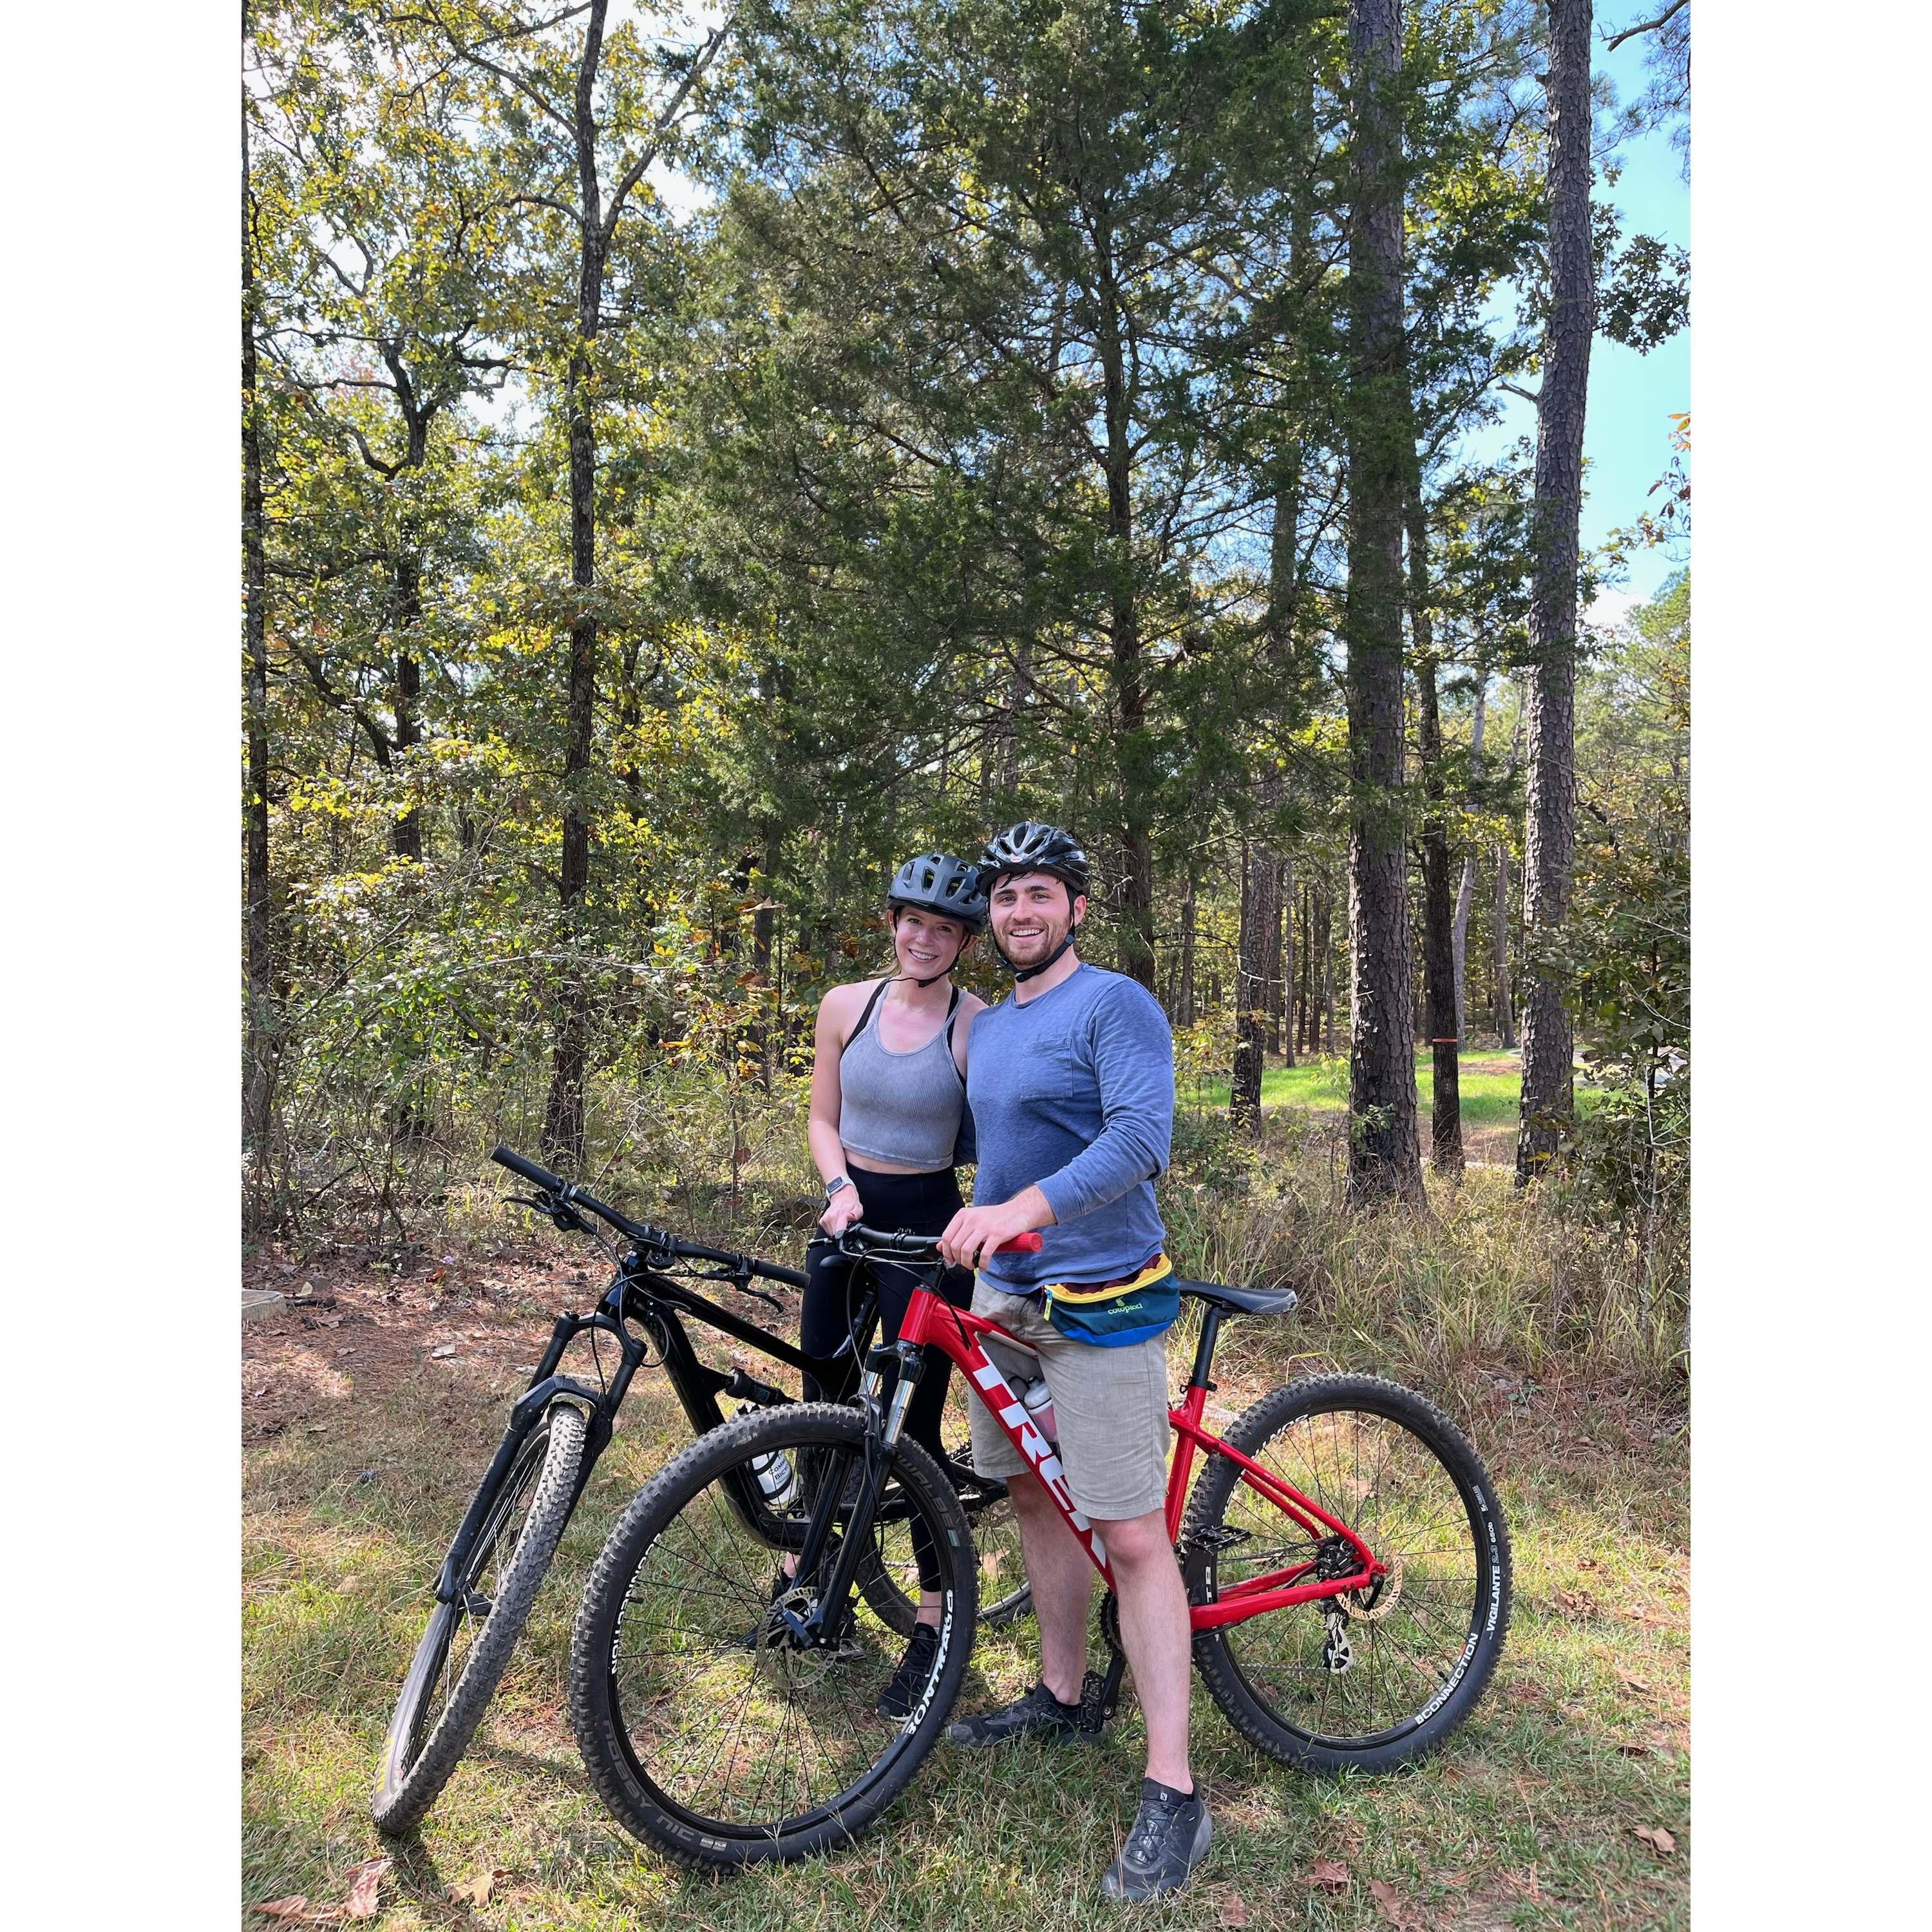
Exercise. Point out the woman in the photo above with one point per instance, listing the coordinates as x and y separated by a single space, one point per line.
888 1106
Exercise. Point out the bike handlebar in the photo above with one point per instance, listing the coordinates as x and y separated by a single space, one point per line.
877 1241
659 1241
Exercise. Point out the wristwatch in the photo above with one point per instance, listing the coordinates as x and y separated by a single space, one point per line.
837 1181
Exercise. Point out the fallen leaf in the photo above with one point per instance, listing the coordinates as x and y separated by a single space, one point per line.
1635 1683
293 1907
476 1891
1390 1906
365 1879
442 1354
1658 1837
1234 1908
1329 1873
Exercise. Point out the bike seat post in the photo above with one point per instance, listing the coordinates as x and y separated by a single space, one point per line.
1211 1318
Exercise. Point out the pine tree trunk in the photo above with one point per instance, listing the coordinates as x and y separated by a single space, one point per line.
1136 935
1327 975
1183 1004
260 1038
1505 1018
1281 1012
1465 889
1260 921
1385 1156
1444 1033
1550 831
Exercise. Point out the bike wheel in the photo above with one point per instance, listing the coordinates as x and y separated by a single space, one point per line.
466 1646
1004 1595
1402 1665
709 1733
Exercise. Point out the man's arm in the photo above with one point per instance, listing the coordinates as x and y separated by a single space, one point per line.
1133 1061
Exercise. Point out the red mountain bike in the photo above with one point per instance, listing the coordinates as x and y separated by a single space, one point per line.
1346 1561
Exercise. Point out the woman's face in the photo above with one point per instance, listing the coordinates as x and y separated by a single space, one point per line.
927 946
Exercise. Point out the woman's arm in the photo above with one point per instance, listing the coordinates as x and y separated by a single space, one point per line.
828 1151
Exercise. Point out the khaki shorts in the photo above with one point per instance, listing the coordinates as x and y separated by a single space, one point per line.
1109 1405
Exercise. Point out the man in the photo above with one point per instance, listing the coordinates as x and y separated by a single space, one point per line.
1071 1085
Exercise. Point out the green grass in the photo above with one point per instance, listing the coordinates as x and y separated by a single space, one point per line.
1527 1819
1489 1100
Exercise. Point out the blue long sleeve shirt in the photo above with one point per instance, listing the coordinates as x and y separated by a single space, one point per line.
1073 1092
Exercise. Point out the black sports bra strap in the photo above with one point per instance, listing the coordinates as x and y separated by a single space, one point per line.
864 1017
951 1018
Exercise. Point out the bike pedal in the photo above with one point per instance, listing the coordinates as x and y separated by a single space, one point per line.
1097 1708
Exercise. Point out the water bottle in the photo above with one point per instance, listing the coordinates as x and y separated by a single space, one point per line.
1037 1400
776 1477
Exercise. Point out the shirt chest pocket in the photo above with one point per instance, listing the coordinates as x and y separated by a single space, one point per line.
1059 1069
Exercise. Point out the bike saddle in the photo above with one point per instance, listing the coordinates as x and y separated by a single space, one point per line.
1241 1300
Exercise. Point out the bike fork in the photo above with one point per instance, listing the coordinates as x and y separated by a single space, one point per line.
824 1625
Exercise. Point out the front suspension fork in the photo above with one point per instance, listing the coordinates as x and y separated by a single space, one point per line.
823 1625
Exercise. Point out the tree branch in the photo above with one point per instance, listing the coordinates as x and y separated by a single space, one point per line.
666 121
1675 7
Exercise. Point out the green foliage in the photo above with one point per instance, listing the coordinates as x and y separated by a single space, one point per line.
1629 938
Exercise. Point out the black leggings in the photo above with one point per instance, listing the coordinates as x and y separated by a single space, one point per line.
917 1203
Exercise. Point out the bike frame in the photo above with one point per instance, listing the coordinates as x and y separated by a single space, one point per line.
931 1322
657 1302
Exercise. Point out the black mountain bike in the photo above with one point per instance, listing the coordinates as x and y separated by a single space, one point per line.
559 1427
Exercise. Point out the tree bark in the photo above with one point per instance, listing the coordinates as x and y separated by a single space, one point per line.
1505 1018
405 839
1135 936
1281 1008
260 1029
1385 1156
1465 889
1438 947
1550 830
564 1107
1184 1003
1257 941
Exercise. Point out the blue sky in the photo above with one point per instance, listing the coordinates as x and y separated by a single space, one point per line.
1626 430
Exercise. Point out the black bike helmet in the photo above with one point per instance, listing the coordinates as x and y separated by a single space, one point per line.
947 887
1031 847
936 882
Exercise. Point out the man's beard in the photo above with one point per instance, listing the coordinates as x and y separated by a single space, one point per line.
1026 951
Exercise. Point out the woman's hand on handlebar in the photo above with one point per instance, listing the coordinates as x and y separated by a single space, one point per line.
975 1232
842 1210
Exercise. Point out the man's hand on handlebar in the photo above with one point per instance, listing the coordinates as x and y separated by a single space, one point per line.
976 1232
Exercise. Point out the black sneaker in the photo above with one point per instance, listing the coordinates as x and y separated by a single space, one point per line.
1039 1714
915 1669
1170 1835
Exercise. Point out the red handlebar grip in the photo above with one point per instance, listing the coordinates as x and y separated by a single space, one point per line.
1020 1244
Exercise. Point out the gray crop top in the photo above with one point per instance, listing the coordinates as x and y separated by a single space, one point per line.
900 1107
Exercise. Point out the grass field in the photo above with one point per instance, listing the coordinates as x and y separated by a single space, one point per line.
361 1450
1490 1085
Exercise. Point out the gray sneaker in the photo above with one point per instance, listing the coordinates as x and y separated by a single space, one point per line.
1170 1836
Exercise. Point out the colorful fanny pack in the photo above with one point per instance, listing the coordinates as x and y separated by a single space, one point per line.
1115 1314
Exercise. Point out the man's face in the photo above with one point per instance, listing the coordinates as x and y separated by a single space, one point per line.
1031 915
